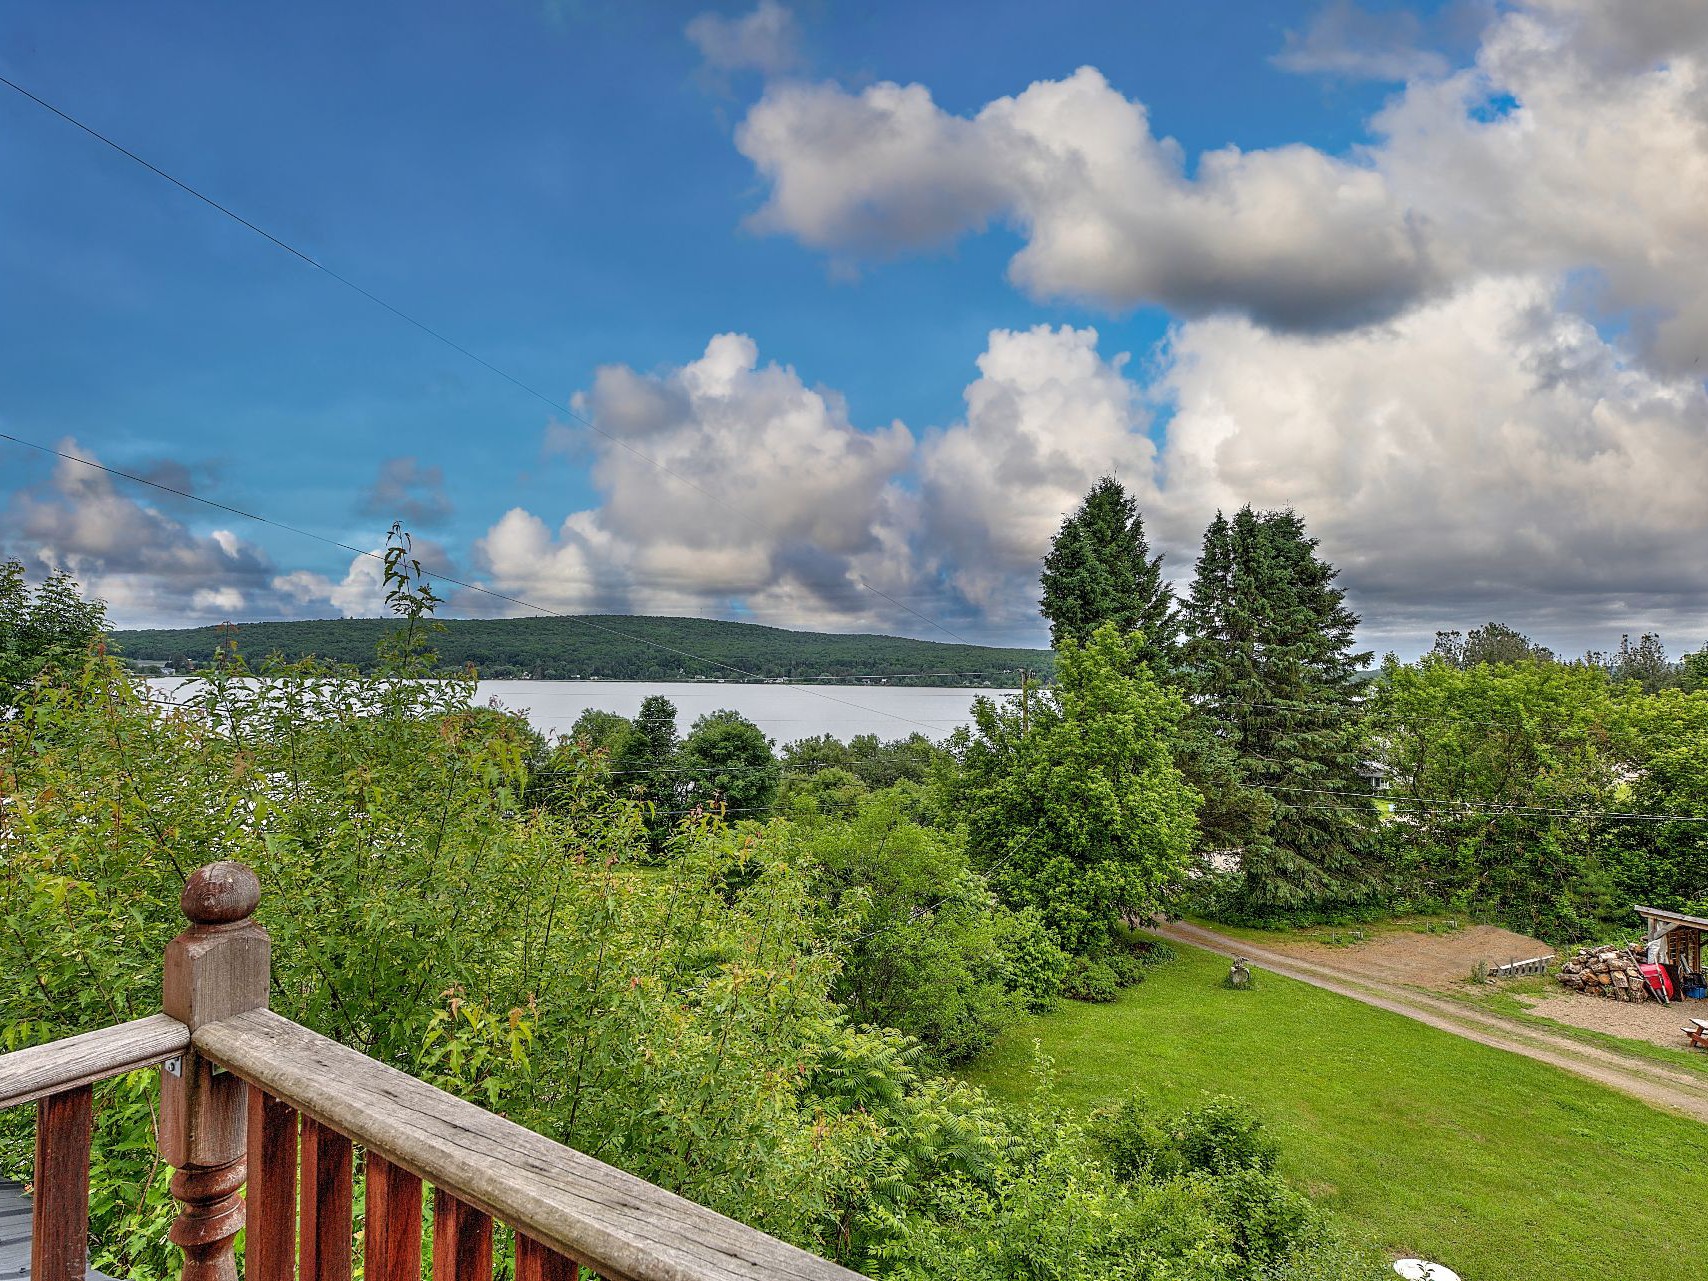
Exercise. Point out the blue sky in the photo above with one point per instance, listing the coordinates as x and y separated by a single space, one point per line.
564 188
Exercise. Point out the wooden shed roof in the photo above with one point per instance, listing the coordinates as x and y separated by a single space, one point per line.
1677 918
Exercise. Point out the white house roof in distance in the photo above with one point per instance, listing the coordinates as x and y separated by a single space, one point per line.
1423 1270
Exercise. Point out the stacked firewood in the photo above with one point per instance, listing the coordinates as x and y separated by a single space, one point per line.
1606 971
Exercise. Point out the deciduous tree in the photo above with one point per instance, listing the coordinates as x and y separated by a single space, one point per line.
44 631
1072 799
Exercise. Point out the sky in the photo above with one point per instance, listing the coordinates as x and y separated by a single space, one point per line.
824 315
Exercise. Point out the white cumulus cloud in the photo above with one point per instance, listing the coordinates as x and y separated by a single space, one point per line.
1573 143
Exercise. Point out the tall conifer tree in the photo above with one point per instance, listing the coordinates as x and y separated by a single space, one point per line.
1099 570
1275 679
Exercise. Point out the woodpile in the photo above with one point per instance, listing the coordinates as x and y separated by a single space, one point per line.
1606 971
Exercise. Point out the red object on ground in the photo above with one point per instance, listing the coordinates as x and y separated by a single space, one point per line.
1659 979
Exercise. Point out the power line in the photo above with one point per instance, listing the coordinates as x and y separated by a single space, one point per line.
437 335
474 587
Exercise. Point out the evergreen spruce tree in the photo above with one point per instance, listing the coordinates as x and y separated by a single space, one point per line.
1099 570
644 765
1275 681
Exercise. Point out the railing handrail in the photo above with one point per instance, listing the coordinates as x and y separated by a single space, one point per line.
40 1070
619 1225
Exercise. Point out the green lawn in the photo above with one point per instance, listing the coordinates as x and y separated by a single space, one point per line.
1496 998
1503 1168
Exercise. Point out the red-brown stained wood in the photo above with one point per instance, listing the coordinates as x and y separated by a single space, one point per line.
325 1215
392 1235
214 969
271 1206
462 1240
59 1233
535 1262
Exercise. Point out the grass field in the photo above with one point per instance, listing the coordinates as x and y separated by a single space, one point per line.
1497 998
1424 1143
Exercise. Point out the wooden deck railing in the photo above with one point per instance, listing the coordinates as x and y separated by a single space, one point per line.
265 1121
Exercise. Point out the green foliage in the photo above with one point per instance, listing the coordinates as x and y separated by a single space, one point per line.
1099 570
914 759
726 761
1222 1147
598 731
933 953
1490 643
1220 1136
645 769
1091 978
46 632
610 647
1274 680
1661 863
1644 664
1072 801
1497 773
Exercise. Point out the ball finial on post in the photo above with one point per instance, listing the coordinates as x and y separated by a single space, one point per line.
221 894
215 969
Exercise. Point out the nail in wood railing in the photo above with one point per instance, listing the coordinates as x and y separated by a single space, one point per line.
59 1231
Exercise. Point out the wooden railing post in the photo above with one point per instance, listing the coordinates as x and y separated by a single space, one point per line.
216 968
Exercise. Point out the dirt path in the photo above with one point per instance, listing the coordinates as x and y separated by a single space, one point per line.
1653 1083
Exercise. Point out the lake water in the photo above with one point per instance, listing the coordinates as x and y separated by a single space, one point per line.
784 712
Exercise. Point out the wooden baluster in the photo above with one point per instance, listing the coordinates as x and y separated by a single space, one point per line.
214 969
271 1205
59 1230
462 1240
391 1235
328 1226
535 1262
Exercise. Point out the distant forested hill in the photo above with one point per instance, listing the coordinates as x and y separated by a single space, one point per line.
610 647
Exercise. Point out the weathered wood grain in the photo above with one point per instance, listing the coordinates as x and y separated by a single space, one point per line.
534 1262
462 1240
326 1217
59 1236
26 1075
270 1209
214 968
622 1227
391 1234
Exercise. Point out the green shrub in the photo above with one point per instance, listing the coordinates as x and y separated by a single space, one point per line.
1224 1135
932 952
1090 979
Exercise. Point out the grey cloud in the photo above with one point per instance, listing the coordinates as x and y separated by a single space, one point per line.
767 40
405 490
151 569
1346 40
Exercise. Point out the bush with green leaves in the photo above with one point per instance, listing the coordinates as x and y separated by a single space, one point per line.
933 953
1071 797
